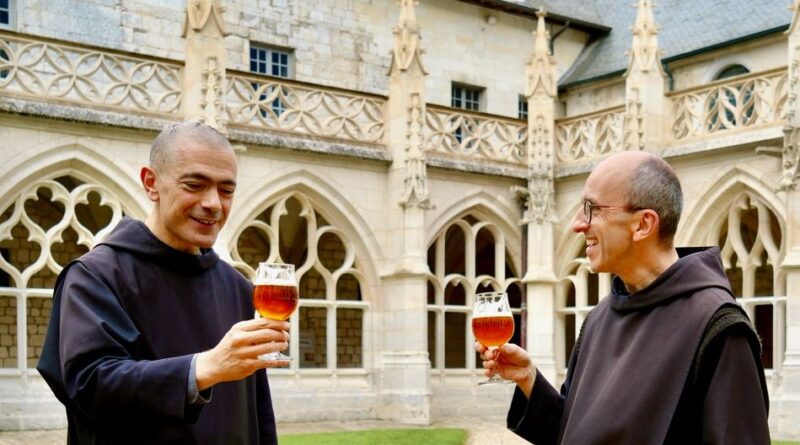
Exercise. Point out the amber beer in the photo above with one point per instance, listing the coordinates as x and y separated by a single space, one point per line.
274 301
493 331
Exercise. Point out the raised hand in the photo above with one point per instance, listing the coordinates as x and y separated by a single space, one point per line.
510 362
236 355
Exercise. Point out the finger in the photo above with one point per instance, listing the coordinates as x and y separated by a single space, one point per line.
252 324
277 324
248 338
253 351
489 364
479 348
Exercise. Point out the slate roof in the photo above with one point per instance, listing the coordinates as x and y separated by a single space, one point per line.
686 26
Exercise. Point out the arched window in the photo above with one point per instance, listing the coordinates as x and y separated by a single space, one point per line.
750 239
468 257
329 320
50 223
578 291
731 105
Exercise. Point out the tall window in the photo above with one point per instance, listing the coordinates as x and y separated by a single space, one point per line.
5 13
750 239
271 62
330 316
469 257
467 98
50 223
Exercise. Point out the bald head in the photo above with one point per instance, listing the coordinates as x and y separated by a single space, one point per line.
162 152
650 183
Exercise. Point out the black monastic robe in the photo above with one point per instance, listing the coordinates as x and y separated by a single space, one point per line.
632 380
127 318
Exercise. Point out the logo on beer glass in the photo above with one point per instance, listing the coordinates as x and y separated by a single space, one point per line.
492 323
275 296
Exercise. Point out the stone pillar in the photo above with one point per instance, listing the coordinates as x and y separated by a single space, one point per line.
204 72
646 112
539 218
787 399
405 365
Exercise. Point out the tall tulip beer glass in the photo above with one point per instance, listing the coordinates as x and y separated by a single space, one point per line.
275 297
492 323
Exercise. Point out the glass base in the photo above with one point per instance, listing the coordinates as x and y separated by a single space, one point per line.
275 357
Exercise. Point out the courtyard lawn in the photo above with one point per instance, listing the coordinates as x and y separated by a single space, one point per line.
781 442
437 436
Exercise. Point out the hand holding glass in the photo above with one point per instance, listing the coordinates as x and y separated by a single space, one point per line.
275 297
492 323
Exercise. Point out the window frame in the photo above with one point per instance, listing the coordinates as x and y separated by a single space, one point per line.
462 102
11 16
269 52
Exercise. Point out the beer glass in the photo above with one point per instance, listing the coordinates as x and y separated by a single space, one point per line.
275 297
492 323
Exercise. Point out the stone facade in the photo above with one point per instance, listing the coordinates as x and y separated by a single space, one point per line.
395 207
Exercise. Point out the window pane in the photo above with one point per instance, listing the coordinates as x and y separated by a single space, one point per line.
455 340
313 337
763 322
432 338
4 17
8 331
349 323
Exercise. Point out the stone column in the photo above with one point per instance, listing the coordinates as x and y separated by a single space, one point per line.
204 72
539 218
646 112
405 365
787 399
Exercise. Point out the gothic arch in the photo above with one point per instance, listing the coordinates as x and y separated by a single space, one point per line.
80 160
708 210
485 205
336 208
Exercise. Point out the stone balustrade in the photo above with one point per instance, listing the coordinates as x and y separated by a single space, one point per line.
589 135
311 110
63 72
751 100
474 136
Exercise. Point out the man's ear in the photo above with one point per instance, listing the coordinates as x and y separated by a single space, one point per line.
647 225
149 179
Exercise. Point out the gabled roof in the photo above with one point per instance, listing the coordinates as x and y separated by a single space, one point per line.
685 27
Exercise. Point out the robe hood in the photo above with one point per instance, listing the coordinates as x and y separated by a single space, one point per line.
698 268
135 237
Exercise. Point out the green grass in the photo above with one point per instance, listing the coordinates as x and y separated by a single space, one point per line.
781 442
434 436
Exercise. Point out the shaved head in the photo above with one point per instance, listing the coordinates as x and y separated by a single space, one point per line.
650 183
162 152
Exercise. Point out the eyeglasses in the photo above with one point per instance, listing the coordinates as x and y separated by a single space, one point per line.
588 209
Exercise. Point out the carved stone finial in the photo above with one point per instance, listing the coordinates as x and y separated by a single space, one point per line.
644 54
407 52
791 133
541 66
200 13
633 137
211 88
416 191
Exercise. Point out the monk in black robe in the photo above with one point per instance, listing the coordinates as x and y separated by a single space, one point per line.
668 357
152 337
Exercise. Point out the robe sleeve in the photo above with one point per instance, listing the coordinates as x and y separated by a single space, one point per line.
98 345
538 419
735 410
266 417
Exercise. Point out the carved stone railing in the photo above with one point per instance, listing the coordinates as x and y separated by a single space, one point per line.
750 100
466 135
41 69
590 135
310 110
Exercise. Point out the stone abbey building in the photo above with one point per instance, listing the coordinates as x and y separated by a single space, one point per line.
404 156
